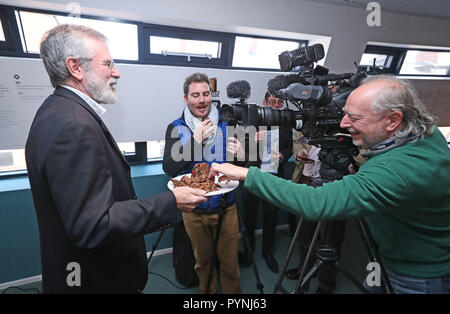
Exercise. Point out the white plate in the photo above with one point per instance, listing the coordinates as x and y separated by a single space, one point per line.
226 186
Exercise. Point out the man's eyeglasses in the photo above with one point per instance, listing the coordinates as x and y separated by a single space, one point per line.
275 101
109 63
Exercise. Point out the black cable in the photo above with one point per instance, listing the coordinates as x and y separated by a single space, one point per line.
178 287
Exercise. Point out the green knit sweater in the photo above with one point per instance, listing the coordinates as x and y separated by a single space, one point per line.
403 195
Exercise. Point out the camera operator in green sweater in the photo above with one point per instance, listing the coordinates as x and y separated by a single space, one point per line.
402 191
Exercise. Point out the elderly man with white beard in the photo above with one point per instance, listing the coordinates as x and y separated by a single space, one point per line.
91 223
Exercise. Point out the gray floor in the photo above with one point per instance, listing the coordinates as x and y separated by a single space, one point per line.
162 279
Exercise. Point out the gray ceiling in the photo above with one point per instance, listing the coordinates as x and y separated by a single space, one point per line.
431 8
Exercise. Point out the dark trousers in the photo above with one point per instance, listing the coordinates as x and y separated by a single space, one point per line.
251 204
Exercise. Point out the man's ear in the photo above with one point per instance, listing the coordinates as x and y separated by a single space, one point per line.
75 68
394 120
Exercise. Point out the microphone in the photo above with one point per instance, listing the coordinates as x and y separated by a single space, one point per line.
238 89
275 84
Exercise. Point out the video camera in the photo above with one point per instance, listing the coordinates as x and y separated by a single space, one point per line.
319 98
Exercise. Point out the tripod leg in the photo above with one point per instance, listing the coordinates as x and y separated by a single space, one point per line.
289 255
373 253
301 284
311 248
155 246
351 278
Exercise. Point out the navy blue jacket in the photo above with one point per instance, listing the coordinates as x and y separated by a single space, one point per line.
180 142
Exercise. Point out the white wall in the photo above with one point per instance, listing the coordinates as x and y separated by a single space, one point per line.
150 96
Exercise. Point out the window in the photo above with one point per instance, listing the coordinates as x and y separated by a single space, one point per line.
2 34
405 61
155 149
122 37
127 148
387 59
252 52
177 46
372 59
445 130
6 43
421 62
186 47
134 152
12 160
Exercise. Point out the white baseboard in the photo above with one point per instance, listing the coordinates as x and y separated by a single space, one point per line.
161 252
20 282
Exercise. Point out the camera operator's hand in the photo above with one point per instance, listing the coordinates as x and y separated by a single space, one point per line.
302 156
260 136
203 131
351 169
188 198
234 147
276 156
229 171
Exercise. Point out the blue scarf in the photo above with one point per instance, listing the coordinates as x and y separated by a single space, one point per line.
390 143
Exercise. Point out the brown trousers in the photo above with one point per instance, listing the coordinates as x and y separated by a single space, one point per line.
202 229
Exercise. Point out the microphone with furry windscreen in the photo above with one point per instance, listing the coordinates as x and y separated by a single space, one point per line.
239 90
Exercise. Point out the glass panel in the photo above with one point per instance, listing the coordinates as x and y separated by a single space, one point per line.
260 53
12 160
380 60
177 45
426 63
155 149
122 38
2 34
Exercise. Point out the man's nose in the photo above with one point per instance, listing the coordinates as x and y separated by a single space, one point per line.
345 122
115 73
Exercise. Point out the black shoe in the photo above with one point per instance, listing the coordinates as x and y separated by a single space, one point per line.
293 273
271 262
244 259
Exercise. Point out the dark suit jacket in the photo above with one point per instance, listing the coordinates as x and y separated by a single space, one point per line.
85 202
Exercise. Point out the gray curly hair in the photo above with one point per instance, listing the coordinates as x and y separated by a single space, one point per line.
64 41
401 96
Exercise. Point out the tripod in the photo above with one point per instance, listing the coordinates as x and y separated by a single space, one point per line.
334 166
